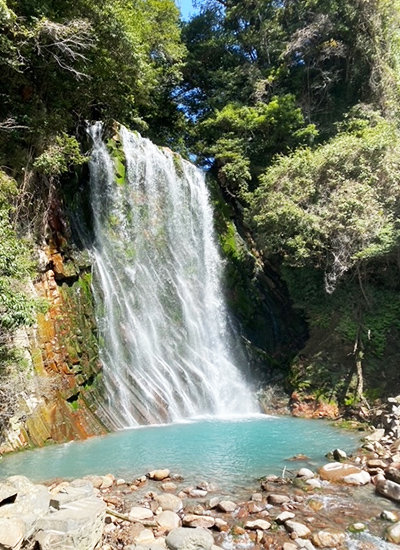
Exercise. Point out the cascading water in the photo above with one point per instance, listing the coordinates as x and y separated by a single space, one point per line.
163 324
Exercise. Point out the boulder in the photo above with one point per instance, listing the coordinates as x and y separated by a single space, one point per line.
197 493
221 524
339 455
96 481
8 493
168 520
283 517
213 502
314 483
304 543
189 539
337 472
138 513
227 506
32 501
78 525
258 524
388 489
393 474
169 487
192 520
255 507
12 533
358 478
299 529
76 490
277 499
306 473
389 516
145 537
376 435
328 538
170 502
393 533
159 475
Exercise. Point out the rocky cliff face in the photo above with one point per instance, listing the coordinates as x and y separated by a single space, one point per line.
60 381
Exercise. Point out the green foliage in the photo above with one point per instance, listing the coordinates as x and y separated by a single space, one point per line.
243 139
334 207
15 307
60 156
66 62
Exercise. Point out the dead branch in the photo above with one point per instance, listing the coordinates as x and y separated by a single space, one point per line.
65 44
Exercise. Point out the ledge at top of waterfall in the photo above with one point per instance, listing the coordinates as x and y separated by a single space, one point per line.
166 345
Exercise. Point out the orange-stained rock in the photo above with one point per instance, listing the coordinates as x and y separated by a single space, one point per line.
308 407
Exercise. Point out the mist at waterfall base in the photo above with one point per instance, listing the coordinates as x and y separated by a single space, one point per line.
232 453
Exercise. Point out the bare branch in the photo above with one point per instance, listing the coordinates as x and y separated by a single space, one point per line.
65 43
11 124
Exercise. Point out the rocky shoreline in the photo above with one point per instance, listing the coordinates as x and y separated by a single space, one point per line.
351 503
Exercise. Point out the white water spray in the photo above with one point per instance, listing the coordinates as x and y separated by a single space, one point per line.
165 343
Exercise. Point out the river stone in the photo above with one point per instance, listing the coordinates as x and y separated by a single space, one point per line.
254 507
337 472
197 493
328 538
192 520
277 499
393 533
107 482
170 502
304 543
290 546
387 488
145 536
169 487
12 533
197 509
227 506
258 524
393 474
314 483
376 435
159 475
257 497
169 520
96 481
138 513
284 516
299 529
359 478
213 502
221 524
389 516
185 538
339 455
305 472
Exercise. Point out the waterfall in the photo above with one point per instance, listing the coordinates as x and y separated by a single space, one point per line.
164 336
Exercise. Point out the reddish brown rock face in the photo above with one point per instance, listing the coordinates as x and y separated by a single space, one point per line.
309 407
64 356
